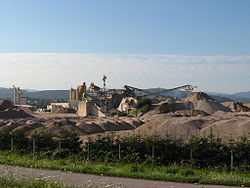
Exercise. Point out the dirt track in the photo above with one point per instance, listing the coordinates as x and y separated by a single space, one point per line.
83 180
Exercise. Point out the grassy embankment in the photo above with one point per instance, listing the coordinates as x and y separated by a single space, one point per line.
165 173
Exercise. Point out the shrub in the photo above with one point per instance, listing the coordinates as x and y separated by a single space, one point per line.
163 108
69 141
143 102
20 142
5 140
142 106
43 142
60 153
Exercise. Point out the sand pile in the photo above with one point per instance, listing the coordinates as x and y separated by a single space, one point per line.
228 128
28 126
9 111
109 124
190 113
198 104
236 106
199 96
90 127
231 126
247 105
10 126
4 104
183 127
57 126
201 101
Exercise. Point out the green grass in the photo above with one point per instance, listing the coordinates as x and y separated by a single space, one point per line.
165 173
10 182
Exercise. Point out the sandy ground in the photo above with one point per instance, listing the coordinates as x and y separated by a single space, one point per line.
51 115
85 180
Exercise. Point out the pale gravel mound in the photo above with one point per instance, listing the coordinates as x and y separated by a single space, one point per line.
109 124
247 105
10 126
201 101
223 124
35 131
199 96
236 106
183 127
8 111
220 113
58 126
90 127
135 122
4 104
190 113
13 112
228 128
77 125
29 126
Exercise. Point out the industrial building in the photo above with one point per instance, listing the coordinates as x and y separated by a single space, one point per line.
19 97
55 106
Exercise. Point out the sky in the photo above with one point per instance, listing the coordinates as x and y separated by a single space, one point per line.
58 44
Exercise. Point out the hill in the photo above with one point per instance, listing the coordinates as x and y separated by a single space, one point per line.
5 93
64 94
48 94
238 97
61 95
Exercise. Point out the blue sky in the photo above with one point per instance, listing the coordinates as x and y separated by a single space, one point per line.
215 28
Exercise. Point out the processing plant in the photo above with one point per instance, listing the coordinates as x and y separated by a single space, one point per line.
98 101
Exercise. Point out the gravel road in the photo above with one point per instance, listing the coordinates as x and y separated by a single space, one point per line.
85 180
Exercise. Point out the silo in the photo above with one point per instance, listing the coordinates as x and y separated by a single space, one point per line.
70 94
77 94
73 94
84 87
80 89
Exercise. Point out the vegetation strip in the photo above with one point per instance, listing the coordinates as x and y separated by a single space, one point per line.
165 173
10 182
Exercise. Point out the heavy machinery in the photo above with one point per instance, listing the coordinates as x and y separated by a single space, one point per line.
142 93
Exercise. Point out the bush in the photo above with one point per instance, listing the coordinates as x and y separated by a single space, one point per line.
43 142
60 153
163 108
69 141
142 106
144 109
20 142
143 102
5 140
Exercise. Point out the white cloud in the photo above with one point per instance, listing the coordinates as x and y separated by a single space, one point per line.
55 71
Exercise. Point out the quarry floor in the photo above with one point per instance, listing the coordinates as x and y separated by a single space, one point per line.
86 180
